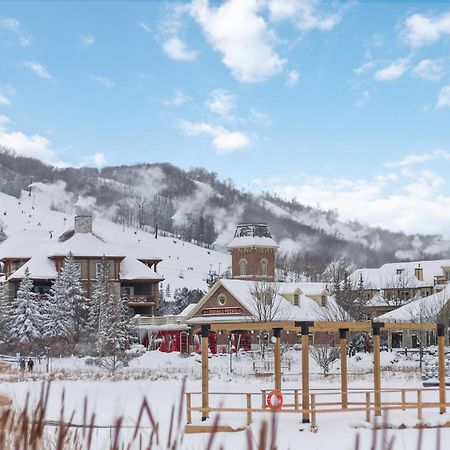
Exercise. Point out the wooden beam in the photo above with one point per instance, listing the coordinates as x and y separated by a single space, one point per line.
205 374
441 362
336 326
305 371
343 334
409 326
377 368
277 358
249 325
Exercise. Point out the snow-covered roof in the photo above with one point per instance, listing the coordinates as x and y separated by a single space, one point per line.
87 245
39 266
187 310
241 290
421 310
132 269
252 241
305 288
402 274
23 244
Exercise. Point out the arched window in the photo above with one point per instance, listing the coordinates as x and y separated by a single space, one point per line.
243 267
264 265
222 299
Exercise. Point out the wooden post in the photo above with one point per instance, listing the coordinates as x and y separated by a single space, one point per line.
188 408
441 362
249 409
343 334
296 399
368 406
264 399
277 358
376 366
313 410
403 400
419 404
305 368
205 387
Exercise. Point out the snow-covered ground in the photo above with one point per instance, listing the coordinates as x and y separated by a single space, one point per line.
160 383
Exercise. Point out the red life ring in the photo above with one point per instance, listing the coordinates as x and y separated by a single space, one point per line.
275 400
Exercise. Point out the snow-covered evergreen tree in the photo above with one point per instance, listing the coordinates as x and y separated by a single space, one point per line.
57 311
70 278
98 298
26 317
5 313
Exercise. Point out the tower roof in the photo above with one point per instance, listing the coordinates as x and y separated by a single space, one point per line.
252 235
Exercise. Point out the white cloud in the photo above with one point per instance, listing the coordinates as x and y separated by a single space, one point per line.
292 78
180 98
417 206
394 71
260 118
429 69
363 68
103 80
420 30
35 146
87 40
145 27
176 49
305 14
444 98
38 69
222 103
4 100
223 140
237 31
362 98
412 160
97 159
15 27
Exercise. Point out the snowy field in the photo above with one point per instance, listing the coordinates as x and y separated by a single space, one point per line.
158 378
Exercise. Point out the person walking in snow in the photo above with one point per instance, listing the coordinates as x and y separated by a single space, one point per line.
30 365
22 365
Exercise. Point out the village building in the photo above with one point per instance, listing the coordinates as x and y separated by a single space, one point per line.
395 284
253 295
131 269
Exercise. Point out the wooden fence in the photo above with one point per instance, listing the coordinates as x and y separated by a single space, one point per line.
359 400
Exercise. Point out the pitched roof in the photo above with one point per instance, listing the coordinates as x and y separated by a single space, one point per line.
132 269
252 241
23 244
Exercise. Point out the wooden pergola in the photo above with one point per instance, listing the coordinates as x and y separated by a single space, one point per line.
305 329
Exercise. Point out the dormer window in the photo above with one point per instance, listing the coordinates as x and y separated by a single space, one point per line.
399 271
264 265
243 267
296 300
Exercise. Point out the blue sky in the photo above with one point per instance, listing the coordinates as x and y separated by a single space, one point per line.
341 104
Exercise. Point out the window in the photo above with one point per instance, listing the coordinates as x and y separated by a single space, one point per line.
127 290
221 299
264 265
323 301
243 267
99 270
296 300
447 275
399 271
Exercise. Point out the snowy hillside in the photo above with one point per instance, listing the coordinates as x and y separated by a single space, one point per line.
183 265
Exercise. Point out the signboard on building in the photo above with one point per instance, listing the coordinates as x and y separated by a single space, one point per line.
220 311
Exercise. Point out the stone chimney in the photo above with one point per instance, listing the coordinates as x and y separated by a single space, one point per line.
418 272
83 224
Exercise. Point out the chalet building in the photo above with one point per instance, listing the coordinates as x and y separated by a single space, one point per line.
238 299
396 284
132 270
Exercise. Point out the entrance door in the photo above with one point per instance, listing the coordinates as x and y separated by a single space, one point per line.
397 339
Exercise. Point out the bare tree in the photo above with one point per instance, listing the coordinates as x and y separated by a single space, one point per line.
398 288
267 306
324 356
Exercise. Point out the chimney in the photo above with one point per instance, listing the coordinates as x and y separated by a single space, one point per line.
83 224
418 272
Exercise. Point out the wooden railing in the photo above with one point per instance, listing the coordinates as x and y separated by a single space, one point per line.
359 400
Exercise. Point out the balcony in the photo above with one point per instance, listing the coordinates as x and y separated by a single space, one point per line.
140 300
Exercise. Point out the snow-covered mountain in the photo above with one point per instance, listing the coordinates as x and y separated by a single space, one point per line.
201 209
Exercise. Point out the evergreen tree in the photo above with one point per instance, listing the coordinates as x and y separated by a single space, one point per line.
5 313
26 317
98 298
57 312
70 278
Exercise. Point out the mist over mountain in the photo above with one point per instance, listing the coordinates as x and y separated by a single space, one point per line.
197 206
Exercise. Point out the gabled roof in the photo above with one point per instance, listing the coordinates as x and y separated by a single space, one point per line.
23 244
252 241
41 267
241 290
132 269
